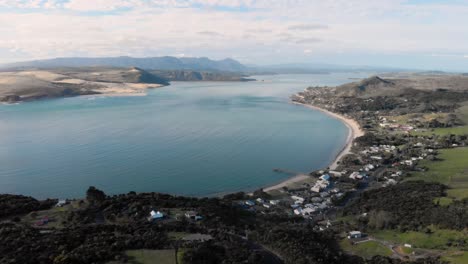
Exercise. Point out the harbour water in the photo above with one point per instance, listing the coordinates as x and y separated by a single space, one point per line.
190 138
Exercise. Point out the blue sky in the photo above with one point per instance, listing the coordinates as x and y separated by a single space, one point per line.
421 34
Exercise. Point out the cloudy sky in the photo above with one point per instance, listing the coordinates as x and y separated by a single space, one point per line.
424 34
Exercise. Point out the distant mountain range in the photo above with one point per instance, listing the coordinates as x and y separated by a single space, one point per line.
151 63
203 64
319 68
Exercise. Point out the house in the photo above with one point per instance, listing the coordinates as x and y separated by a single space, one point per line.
298 202
156 215
249 203
316 200
369 167
308 211
298 211
322 206
297 198
260 200
266 205
354 234
294 206
316 188
193 215
61 203
408 246
355 176
325 177
274 202
336 173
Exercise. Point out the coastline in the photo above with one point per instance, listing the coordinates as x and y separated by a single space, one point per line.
354 131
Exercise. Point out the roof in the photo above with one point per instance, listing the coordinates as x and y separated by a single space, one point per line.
191 213
355 232
156 215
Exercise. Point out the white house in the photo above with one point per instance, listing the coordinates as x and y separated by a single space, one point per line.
316 188
297 198
355 234
156 215
336 173
61 203
298 211
355 175
274 202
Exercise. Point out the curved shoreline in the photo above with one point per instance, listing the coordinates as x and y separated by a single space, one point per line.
354 131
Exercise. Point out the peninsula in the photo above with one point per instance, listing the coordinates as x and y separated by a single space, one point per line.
397 193
28 85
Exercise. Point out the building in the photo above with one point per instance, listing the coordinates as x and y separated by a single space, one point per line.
249 203
325 177
355 234
298 211
336 173
156 215
193 215
297 198
308 211
316 188
355 176
274 202
61 203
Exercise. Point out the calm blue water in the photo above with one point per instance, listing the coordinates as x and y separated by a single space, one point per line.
188 138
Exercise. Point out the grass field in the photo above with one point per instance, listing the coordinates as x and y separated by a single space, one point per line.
365 249
144 256
443 201
438 239
452 170
462 114
459 130
456 257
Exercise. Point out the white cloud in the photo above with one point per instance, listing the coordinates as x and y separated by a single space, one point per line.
308 27
98 5
252 29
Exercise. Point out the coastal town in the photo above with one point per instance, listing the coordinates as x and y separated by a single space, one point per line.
382 151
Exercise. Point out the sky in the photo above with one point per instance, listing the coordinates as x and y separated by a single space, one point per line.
415 34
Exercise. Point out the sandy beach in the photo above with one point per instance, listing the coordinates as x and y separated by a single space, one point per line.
288 182
354 131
